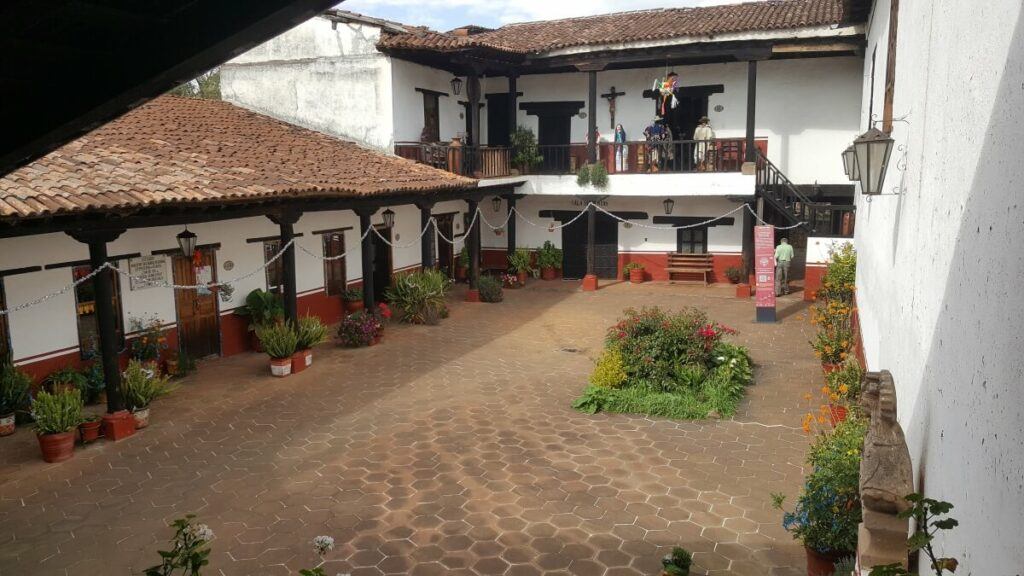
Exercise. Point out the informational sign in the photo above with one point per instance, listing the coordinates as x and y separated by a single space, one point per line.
764 272
147 272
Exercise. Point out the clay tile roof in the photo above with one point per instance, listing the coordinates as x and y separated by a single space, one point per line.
175 150
659 24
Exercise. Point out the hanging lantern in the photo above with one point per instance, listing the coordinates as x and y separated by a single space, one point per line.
389 218
187 243
669 204
456 85
873 149
496 203
850 164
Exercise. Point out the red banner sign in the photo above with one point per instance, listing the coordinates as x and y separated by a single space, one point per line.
764 265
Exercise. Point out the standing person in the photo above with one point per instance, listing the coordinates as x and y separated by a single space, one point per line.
783 258
703 134
621 150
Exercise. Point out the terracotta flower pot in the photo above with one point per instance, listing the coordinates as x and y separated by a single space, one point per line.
820 564
171 366
743 291
7 424
836 413
460 273
89 431
57 447
636 275
829 368
548 273
353 306
301 359
522 277
281 367
141 417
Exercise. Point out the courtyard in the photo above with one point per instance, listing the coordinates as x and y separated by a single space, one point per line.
447 449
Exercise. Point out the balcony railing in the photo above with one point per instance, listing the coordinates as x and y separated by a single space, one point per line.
472 161
643 157
823 219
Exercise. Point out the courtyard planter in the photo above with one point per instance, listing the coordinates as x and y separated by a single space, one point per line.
57 447
819 564
522 276
837 413
89 430
7 424
281 367
301 360
743 291
636 276
548 273
141 417
353 306
460 273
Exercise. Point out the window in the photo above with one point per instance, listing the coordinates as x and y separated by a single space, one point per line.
334 270
5 333
431 117
692 240
274 271
85 312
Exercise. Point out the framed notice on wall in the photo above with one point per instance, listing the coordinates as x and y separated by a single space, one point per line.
147 271
764 272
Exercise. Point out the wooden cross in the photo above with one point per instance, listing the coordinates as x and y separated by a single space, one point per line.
611 97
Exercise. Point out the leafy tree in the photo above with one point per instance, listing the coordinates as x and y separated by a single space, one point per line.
206 86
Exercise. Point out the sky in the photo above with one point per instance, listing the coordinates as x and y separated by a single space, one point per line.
448 14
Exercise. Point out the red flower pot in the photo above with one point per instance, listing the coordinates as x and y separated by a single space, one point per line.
829 368
353 306
57 447
281 367
89 431
836 413
301 359
820 564
636 275
743 291
522 277
7 424
548 273
118 426
460 273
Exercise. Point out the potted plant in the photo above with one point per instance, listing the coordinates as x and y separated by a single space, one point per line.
677 563
520 263
14 394
733 273
828 509
353 299
89 429
510 281
309 332
359 329
279 342
262 308
634 271
141 384
525 153
462 266
95 384
595 175
150 340
57 416
419 296
490 289
66 378
843 389
549 259
834 339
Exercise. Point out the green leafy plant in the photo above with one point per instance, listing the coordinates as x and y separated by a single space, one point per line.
549 257
464 257
845 382
593 400
96 383
352 295
420 296
67 378
598 176
630 267
840 280
733 273
309 332
14 389
359 329
583 176
141 385
520 260
279 340
189 552
525 152
677 563
150 339
57 413
928 518
263 308
610 371
490 289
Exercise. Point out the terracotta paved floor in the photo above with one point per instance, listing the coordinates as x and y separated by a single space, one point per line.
445 450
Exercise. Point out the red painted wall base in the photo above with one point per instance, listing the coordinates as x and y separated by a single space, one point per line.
589 283
813 275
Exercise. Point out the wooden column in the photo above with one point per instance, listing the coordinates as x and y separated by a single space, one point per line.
286 223
473 95
592 116
366 257
427 240
510 229
751 155
590 280
106 314
748 245
473 247
513 109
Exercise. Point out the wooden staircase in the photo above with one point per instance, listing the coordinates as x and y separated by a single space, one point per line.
689 268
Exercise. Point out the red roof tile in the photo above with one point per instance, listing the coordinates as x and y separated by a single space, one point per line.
178 150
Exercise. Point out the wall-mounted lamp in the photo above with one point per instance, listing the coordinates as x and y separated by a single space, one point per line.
873 149
187 243
456 85
389 218
669 204
850 164
496 203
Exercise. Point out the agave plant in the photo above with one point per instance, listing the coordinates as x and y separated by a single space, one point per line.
420 296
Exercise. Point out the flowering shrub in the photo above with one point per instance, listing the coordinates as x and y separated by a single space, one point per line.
609 372
490 289
510 280
840 281
150 341
384 312
834 339
190 550
844 384
359 329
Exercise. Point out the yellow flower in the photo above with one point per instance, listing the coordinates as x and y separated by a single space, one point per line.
843 388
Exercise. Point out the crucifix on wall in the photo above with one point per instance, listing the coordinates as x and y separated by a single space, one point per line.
611 96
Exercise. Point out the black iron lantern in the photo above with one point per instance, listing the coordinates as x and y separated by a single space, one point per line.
496 203
456 85
187 243
873 149
850 164
669 205
389 218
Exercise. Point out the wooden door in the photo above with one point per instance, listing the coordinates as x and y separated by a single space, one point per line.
497 120
606 248
445 250
553 134
198 316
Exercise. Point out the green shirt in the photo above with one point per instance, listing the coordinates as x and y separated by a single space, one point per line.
784 253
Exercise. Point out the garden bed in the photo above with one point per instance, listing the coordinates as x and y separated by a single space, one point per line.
671 364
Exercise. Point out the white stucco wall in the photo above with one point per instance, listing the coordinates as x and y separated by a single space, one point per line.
408 103
51 326
666 184
326 77
940 265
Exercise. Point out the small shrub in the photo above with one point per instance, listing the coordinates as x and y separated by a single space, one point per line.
598 176
840 280
67 378
14 389
525 153
262 308
150 341
630 267
57 413
464 257
420 296
309 332
677 563
734 274
279 340
141 385
609 372
352 295
583 176
549 257
490 289
690 375
520 260
189 552
844 384
359 329
96 382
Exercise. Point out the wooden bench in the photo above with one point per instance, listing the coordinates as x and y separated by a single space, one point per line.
689 268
